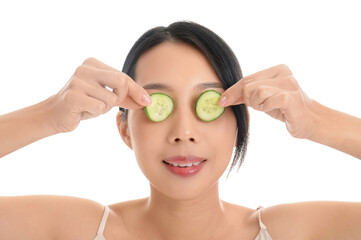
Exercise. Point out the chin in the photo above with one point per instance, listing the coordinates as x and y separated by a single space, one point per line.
183 188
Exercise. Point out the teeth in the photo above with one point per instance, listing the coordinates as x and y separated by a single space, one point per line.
185 165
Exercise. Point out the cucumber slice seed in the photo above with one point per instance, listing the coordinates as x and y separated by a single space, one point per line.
207 107
161 107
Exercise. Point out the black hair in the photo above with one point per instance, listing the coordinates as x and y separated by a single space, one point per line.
219 54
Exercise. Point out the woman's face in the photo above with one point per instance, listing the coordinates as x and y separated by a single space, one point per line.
182 67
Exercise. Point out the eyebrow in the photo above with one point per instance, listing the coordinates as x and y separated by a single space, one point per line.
200 86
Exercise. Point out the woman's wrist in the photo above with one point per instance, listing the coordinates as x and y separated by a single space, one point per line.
25 126
43 120
322 123
337 130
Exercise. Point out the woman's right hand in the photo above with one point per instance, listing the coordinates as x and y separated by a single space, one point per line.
86 96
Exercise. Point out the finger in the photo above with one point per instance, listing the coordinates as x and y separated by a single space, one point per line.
232 95
281 101
84 103
109 98
242 90
235 94
93 62
135 90
275 71
240 100
227 97
286 83
102 77
116 81
128 102
260 95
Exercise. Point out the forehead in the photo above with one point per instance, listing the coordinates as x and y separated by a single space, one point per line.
174 63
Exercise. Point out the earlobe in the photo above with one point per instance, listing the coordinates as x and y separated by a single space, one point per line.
124 130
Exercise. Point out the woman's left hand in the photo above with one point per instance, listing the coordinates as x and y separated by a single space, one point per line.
276 92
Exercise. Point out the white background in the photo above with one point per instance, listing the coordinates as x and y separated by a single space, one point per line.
42 43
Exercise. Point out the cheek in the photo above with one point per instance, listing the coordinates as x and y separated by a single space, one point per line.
222 137
145 140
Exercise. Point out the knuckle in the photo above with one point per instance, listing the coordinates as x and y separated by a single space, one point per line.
123 77
284 68
89 60
246 90
75 83
100 107
262 92
247 81
285 98
123 80
80 70
293 82
112 100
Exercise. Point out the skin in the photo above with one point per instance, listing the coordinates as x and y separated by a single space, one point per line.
176 208
180 203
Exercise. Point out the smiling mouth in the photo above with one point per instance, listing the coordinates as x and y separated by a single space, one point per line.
184 165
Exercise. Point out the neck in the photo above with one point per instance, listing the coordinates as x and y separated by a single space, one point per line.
185 219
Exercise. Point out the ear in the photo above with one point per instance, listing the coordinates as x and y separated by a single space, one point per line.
124 130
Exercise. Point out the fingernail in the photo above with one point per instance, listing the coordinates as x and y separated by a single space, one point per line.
261 107
146 100
222 102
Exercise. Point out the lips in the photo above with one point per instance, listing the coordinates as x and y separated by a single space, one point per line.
184 166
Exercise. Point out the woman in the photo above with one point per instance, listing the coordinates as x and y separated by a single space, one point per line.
182 61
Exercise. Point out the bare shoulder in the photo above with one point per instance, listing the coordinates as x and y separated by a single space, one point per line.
124 217
306 220
127 213
77 218
49 217
242 220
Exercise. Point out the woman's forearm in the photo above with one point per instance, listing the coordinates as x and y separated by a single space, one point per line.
24 126
338 130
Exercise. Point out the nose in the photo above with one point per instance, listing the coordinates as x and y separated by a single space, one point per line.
184 136
184 127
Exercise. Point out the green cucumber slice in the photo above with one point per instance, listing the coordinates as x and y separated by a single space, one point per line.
161 107
207 108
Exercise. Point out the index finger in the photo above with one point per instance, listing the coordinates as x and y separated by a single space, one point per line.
275 71
124 86
234 93
93 62
136 91
108 76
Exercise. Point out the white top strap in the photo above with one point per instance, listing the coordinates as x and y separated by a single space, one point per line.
104 221
263 234
259 209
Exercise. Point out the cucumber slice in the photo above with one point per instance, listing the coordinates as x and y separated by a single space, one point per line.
207 108
160 108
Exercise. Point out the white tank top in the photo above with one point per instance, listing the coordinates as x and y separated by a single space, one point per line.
262 235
